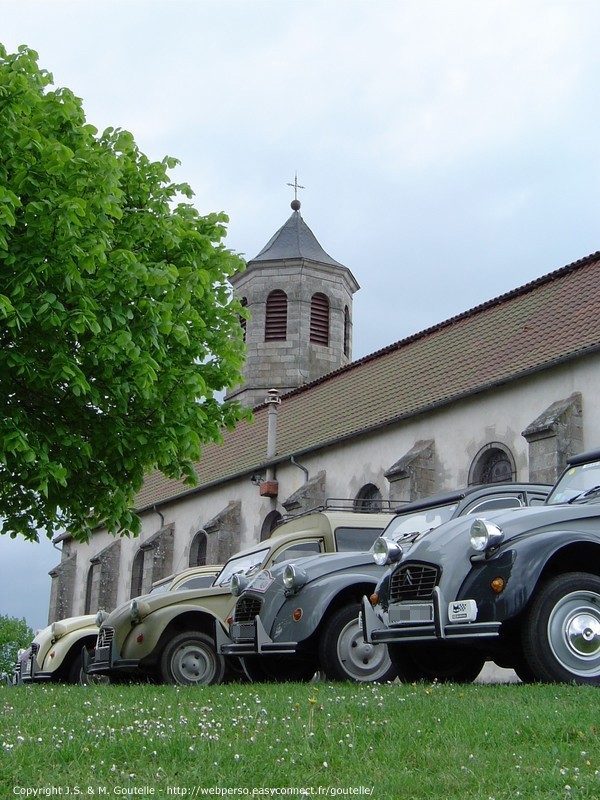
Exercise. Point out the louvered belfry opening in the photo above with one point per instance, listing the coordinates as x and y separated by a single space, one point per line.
346 331
276 317
243 321
319 319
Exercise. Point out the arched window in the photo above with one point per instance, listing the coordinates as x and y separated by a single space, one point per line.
272 520
346 331
494 463
276 317
369 499
137 574
319 319
198 549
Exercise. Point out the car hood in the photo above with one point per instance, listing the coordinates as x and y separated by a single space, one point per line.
325 564
514 523
154 602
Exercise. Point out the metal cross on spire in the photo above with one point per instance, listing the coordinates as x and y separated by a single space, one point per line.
296 186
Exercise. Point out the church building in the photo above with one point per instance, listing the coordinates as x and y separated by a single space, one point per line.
504 391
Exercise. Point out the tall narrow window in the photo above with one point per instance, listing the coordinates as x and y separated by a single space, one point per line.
319 319
346 331
276 317
137 574
89 588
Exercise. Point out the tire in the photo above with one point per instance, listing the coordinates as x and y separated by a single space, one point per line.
190 659
344 654
561 632
77 675
278 669
75 672
445 663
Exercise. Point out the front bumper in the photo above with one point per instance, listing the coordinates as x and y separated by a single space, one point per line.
104 660
436 620
27 670
250 639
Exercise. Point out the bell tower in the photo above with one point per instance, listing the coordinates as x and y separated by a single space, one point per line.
300 304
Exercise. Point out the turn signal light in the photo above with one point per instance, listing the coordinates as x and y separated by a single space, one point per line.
52 654
229 620
297 615
374 599
139 638
498 585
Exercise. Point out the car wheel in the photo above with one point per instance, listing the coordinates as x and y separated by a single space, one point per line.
278 669
445 664
190 658
561 633
345 655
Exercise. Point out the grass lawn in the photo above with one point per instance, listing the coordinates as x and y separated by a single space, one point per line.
338 740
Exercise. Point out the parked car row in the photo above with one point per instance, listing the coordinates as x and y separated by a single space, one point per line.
56 652
174 638
306 612
505 572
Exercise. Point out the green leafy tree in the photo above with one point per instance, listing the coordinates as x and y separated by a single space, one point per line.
14 635
118 330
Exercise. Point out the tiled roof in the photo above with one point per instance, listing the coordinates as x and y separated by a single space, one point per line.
552 319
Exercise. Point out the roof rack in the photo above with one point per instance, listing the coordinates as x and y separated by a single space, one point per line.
352 504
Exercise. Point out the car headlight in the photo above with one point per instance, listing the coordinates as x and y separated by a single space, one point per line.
485 535
238 584
100 617
138 609
386 551
58 630
294 578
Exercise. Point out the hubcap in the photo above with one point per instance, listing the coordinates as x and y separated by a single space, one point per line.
192 664
574 633
360 660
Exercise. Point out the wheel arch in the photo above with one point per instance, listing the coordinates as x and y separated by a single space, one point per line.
74 651
187 621
345 595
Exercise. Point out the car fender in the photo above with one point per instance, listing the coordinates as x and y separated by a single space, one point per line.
521 562
59 650
316 599
143 638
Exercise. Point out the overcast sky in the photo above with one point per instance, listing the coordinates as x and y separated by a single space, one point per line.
449 149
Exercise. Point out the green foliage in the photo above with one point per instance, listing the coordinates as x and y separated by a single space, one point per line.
117 325
14 634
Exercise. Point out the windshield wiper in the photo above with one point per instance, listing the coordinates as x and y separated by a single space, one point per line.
588 493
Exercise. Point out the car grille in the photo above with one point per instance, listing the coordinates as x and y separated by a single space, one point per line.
105 637
246 609
413 582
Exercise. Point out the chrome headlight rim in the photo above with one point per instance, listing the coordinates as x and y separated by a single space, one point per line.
293 578
386 551
485 536
238 583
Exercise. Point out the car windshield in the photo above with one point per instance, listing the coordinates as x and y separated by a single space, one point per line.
574 482
247 564
418 521
159 588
